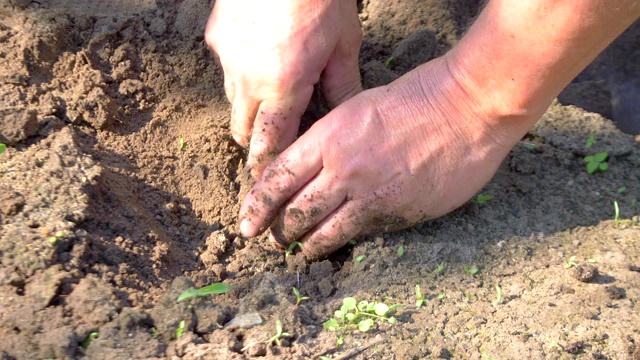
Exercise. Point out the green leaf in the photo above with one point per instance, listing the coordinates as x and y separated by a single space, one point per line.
621 190
393 308
180 329
352 242
400 250
359 258
388 62
419 302
365 325
338 314
331 325
340 340
350 317
603 166
216 288
418 293
348 303
296 293
181 142
363 305
588 158
601 156
591 140
591 167
3 148
392 320
381 309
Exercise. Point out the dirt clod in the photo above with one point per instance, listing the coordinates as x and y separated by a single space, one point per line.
585 273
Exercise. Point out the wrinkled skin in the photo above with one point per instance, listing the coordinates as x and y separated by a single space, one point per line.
385 159
272 54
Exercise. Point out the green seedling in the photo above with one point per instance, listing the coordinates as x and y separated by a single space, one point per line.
291 247
592 261
360 258
339 341
500 296
180 329
400 250
388 62
570 263
154 333
299 298
55 237
591 140
360 315
92 336
555 345
616 210
216 288
419 297
181 143
621 190
352 242
482 198
441 296
3 148
277 338
471 271
440 268
325 358
597 162
528 146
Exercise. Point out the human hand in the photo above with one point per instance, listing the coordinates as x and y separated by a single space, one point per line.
272 54
384 160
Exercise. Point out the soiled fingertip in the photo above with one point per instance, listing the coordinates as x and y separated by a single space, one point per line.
247 228
275 242
241 139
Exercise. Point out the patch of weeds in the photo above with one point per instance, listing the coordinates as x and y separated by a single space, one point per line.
482 198
591 140
299 298
181 143
570 263
621 190
388 62
440 268
360 258
597 162
215 288
291 247
92 337
419 297
360 315
400 250
3 148
470 270
180 329
500 297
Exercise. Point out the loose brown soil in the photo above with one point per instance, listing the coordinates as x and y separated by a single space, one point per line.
104 221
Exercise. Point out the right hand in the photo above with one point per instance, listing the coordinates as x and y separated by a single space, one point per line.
272 53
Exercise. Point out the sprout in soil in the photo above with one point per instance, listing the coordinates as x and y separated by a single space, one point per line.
482 198
360 315
360 258
275 339
291 247
440 267
216 288
591 140
570 263
180 329
181 143
419 297
621 190
441 296
471 271
597 162
299 298
401 250
3 148
500 296
92 336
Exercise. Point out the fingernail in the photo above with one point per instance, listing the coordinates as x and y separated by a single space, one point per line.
246 228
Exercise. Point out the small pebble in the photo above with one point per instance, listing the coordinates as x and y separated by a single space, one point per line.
585 273
244 321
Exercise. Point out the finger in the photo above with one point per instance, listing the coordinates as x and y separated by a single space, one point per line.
229 89
280 180
341 76
274 129
307 208
243 113
335 230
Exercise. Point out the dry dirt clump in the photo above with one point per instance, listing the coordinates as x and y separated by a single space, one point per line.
105 219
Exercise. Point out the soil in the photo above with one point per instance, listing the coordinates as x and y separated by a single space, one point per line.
105 220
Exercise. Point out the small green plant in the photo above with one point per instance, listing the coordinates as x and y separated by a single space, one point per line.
592 261
500 296
299 298
597 162
352 242
53 239
555 345
528 146
621 190
291 247
441 296
180 329
482 198
3 148
419 297
216 288
388 62
181 143
277 338
92 337
400 250
440 268
360 258
616 210
570 263
154 332
470 270
339 341
591 140
360 315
